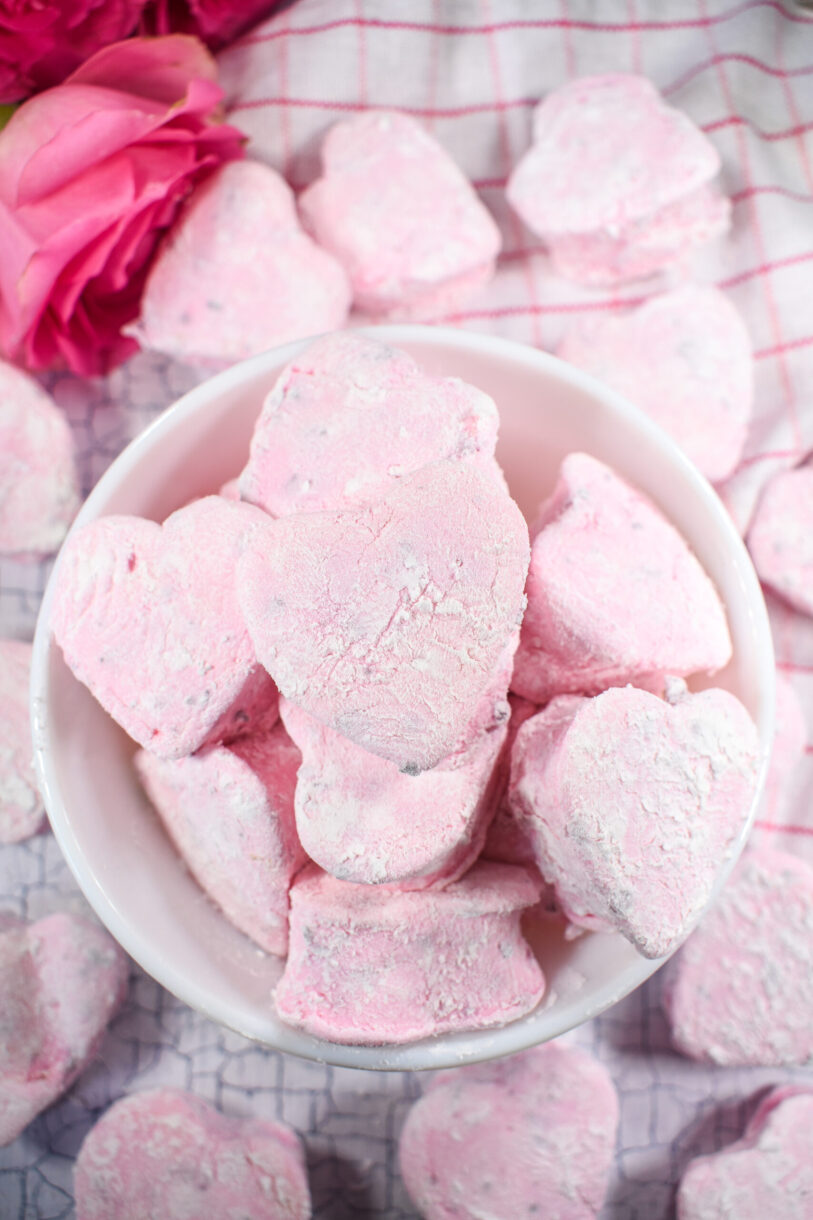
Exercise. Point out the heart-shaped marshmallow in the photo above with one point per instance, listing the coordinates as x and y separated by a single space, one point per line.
741 990
769 1172
377 964
532 1135
349 418
388 622
147 617
400 216
640 248
780 538
167 1153
61 981
607 150
21 808
614 593
685 359
230 813
238 275
633 805
363 820
39 492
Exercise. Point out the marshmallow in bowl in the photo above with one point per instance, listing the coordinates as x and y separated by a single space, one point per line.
640 248
740 993
632 804
238 275
21 808
62 980
685 359
387 622
614 593
363 820
396 211
166 1153
147 617
375 964
349 418
532 1135
612 164
229 810
780 539
39 487
768 1172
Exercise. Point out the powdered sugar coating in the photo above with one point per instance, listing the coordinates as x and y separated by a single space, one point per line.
685 359
363 820
374 964
61 981
238 275
633 805
350 417
640 248
780 539
507 839
400 216
769 1172
607 150
165 1153
614 593
230 813
147 617
21 808
39 489
741 990
387 622
528 1136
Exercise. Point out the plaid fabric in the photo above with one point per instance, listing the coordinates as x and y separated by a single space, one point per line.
473 70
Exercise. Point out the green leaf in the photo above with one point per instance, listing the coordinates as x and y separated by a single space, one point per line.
5 114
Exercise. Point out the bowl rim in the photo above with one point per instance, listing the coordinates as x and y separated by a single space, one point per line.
446 1049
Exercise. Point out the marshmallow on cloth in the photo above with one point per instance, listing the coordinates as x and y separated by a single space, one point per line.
61 981
21 808
614 593
363 820
740 993
532 1135
685 359
39 491
374 964
349 418
400 216
616 181
781 540
388 622
230 813
633 805
767 1173
237 275
168 1154
147 617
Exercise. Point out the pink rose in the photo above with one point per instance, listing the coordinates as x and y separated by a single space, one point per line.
217 22
91 174
41 41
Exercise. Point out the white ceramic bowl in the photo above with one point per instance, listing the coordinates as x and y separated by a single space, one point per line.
113 842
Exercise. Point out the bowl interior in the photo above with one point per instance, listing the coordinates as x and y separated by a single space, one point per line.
114 843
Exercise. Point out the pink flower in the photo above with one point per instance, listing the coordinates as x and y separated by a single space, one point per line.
215 21
41 41
91 174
